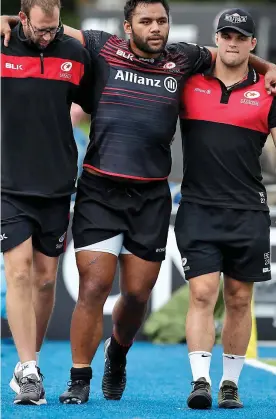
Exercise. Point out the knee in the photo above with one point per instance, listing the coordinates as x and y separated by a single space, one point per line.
203 296
19 276
137 294
46 282
44 278
93 289
238 301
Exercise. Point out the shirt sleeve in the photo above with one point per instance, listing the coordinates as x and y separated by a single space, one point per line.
272 115
200 57
83 96
95 40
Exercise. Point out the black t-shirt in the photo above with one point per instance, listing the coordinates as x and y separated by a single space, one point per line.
38 150
135 105
223 133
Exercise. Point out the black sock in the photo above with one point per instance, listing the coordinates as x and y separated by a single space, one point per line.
116 351
84 374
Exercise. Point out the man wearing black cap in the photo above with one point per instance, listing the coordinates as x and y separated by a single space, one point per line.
222 225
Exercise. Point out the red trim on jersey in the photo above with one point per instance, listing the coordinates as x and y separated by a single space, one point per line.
123 176
111 58
138 93
30 67
133 97
123 104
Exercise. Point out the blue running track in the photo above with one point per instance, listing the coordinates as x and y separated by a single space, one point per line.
158 385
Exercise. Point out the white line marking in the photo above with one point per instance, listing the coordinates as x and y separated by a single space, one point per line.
261 365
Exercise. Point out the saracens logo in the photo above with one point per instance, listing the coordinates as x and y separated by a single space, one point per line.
67 66
169 65
251 94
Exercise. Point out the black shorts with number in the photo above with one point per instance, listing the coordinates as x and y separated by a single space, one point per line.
105 208
44 219
235 242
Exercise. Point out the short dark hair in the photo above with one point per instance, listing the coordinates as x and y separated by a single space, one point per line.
46 5
131 5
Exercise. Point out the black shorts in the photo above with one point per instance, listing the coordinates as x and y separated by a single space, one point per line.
235 242
105 208
45 219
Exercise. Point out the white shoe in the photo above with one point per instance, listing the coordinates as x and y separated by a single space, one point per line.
17 376
16 380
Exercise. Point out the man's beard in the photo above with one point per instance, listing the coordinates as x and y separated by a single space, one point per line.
144 46
31 38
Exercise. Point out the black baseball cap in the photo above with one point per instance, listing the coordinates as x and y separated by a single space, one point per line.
238 20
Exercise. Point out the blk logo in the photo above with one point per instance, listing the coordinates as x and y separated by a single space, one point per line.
14 66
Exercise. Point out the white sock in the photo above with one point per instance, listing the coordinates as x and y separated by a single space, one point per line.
200 365
232 366
29 367
37 358
17 368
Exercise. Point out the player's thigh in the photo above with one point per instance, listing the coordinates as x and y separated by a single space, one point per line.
18 262
137 276
44 268
96 273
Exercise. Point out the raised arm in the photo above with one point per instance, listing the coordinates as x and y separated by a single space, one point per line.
74 33
8 22
267 69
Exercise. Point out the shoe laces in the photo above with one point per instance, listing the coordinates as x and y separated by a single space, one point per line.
29 385
73 384
41 376
229 392
200 385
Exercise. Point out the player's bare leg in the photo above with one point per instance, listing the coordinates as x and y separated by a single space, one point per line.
97 270
235 338
200 334
138 278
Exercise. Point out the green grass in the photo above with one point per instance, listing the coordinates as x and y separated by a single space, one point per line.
270 361
85 126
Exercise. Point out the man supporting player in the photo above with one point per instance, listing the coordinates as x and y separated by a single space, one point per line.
123 202
38 171
222 225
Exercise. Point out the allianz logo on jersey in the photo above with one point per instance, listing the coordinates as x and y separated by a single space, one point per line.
170 83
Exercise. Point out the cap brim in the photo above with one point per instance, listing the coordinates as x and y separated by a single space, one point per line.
235 29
